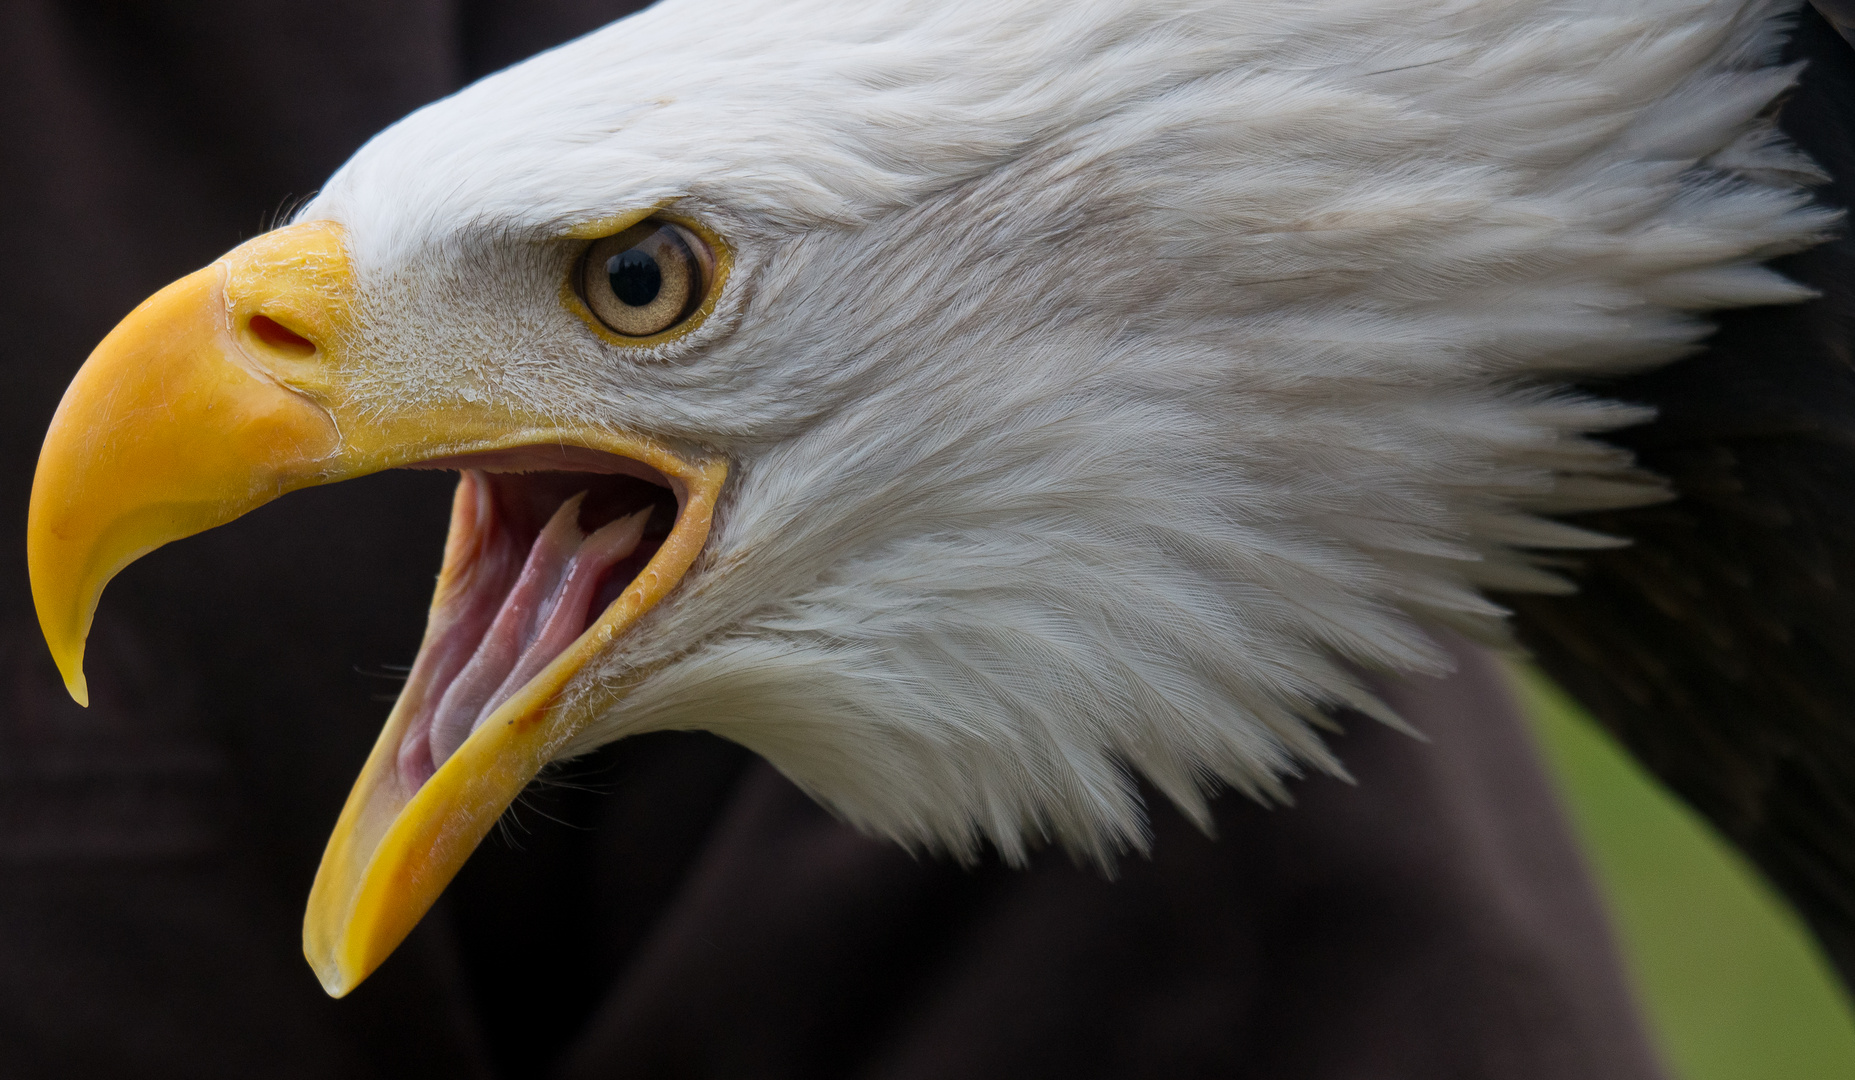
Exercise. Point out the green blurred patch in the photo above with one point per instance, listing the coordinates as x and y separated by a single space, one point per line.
1733 985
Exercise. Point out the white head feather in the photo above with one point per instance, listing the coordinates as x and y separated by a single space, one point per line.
1107 380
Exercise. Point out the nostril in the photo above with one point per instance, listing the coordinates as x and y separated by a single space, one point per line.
280 337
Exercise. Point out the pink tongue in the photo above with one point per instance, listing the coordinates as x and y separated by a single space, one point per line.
541 616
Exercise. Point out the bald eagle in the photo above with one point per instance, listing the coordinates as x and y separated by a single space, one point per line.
974 408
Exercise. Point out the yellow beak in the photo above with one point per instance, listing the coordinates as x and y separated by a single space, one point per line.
225 390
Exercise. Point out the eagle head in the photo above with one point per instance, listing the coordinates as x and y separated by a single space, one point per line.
971 407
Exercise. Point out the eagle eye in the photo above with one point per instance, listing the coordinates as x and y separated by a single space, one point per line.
647 279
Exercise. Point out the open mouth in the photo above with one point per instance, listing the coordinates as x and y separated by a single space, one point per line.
542 541
556 550
228 389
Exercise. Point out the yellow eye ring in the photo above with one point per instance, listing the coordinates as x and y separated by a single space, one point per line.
648 280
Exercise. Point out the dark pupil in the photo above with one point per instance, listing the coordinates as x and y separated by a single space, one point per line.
635 278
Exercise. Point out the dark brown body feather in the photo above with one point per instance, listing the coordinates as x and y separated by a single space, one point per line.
1720 646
